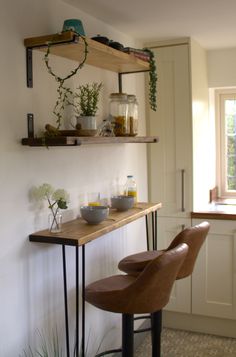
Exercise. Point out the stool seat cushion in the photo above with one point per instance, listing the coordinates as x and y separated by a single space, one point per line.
146 293
102 293
135 263
112 284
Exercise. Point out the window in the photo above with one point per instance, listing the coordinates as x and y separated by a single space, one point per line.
226 143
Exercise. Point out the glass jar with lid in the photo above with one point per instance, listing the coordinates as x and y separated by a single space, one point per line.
119 114
133 114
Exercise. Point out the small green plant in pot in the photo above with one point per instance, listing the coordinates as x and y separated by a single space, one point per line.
86 105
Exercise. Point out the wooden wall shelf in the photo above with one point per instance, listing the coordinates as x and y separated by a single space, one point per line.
87 140
69 45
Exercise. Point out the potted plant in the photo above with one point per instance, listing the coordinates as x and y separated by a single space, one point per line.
50 344
86 105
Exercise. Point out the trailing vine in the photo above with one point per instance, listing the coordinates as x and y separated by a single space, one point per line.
152 80
65 94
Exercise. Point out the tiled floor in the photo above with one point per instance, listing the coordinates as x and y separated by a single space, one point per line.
176 343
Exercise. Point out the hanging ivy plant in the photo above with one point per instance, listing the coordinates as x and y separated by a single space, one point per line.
65 94
152 80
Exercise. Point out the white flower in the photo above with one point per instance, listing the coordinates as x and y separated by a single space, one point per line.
57 199
42 192
60 194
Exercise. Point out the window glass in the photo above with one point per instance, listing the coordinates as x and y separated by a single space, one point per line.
227 143
230 136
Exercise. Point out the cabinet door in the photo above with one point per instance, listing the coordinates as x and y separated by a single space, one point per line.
172 123
213 279
168 228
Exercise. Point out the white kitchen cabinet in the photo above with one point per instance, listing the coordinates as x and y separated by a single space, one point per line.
214 277
168 228
170 162
170 165
181 170
177 168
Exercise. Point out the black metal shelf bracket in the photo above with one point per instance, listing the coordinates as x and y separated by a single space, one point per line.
122 73
29 58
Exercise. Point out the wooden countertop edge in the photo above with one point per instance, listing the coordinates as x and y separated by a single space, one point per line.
214 215
37 238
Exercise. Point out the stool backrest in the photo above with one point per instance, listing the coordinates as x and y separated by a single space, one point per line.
194 237
151 290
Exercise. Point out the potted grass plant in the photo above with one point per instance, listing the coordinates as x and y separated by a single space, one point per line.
86 105
51 345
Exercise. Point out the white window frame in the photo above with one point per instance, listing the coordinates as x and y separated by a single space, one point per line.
221 150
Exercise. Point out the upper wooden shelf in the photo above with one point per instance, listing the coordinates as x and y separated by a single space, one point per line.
82 140
78 232
70 46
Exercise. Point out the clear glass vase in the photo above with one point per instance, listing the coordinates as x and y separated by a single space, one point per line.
55 222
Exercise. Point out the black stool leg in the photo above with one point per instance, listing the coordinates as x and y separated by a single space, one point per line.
127 335
156 333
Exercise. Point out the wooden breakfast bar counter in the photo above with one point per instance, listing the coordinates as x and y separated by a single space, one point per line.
78 233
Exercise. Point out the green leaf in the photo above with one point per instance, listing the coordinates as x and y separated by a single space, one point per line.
62 204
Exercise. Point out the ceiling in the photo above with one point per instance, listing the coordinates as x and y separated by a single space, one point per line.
210 22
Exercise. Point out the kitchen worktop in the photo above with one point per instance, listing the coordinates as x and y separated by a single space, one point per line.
217 210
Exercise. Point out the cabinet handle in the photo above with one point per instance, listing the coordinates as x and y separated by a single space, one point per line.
182 190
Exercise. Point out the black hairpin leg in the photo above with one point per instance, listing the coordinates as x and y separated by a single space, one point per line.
83 302
77 301
155 229
66 302
153 232
147 232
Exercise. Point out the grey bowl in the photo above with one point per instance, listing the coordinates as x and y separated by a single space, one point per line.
122 203
94 214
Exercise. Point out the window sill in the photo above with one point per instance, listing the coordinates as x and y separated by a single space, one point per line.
224 201
215 200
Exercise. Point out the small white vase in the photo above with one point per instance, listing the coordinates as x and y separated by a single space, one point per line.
87 123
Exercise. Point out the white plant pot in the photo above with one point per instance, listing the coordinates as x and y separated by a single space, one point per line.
87 123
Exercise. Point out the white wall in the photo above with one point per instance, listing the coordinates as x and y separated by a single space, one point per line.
221 67
31 274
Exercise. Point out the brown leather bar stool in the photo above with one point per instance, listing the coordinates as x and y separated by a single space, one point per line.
194 237
147 293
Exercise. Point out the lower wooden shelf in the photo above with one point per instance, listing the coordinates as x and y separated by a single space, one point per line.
87 140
